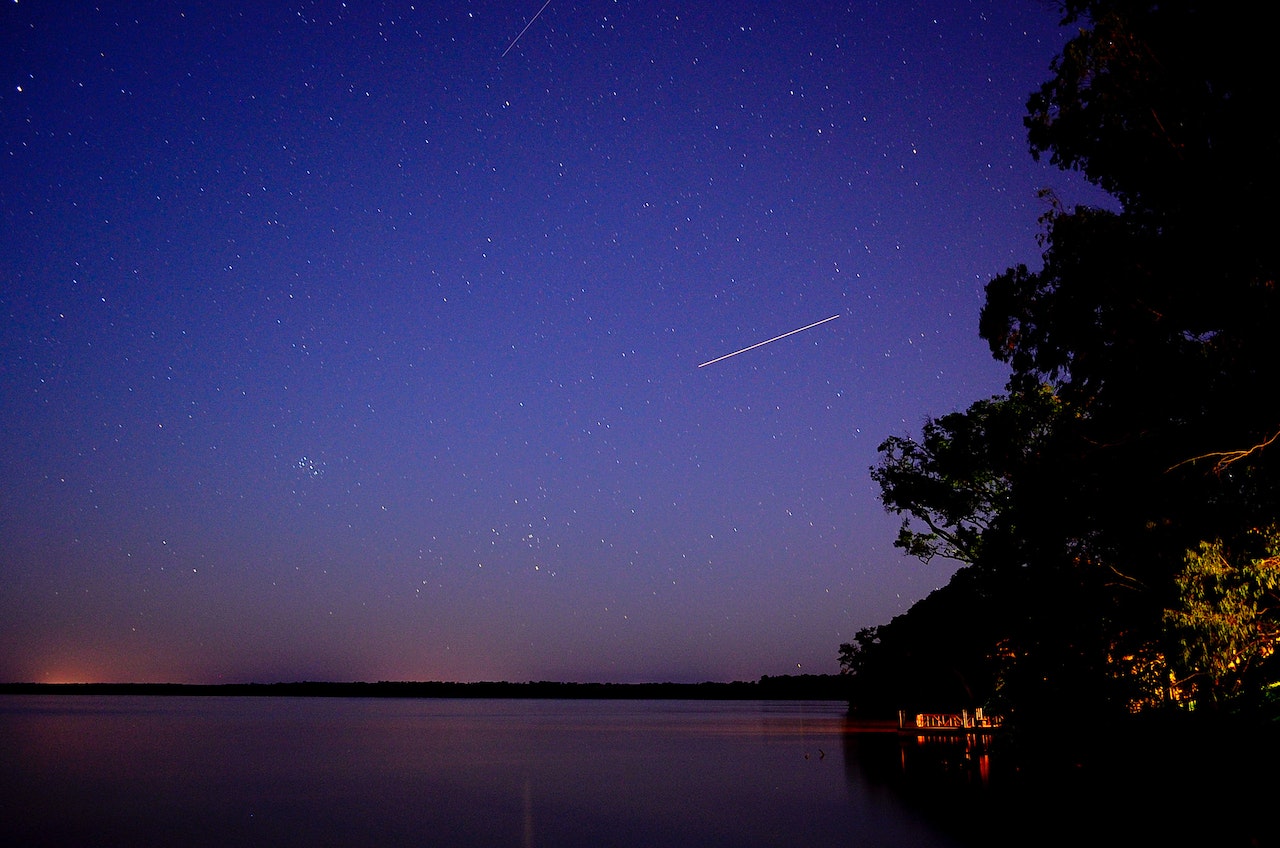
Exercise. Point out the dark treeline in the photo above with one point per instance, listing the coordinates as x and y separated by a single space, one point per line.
1115 511
816 687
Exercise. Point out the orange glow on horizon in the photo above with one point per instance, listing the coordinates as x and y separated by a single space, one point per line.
63 677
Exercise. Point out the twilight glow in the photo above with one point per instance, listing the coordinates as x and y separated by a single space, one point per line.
360 341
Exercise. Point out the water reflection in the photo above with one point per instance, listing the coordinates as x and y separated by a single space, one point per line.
953 781
342 772
1172 791
961 757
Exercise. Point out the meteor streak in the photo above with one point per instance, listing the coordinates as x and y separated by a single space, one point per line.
766 341
526 29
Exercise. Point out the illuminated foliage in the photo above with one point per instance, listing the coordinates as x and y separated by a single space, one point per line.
1140 415
1229 616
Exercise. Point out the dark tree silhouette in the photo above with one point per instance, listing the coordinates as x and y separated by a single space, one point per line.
1140 421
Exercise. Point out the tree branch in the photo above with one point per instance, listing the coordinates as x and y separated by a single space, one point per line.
1225 458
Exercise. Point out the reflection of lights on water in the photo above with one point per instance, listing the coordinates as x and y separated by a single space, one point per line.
528 814
967 752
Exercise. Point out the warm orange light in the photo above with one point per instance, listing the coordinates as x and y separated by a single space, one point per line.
66 677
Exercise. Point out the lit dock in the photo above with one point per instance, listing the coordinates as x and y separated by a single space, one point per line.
963 722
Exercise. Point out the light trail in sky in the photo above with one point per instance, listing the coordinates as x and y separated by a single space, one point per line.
767 341
526 28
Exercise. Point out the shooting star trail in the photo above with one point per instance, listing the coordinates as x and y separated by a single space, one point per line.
767 341
526 29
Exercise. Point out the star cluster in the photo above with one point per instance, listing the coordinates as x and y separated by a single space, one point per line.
338 344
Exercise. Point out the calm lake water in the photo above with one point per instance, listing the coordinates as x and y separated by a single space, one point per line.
228 771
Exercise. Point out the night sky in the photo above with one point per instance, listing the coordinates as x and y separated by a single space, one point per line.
352 341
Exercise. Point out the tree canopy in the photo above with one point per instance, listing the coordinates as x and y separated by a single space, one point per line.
1110 502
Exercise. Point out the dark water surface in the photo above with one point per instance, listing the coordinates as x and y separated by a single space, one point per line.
222 771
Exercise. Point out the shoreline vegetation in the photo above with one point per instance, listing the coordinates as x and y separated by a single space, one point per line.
807 687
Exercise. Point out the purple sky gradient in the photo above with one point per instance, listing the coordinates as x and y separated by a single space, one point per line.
338 345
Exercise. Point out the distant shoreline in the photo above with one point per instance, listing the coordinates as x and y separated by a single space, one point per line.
808 687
